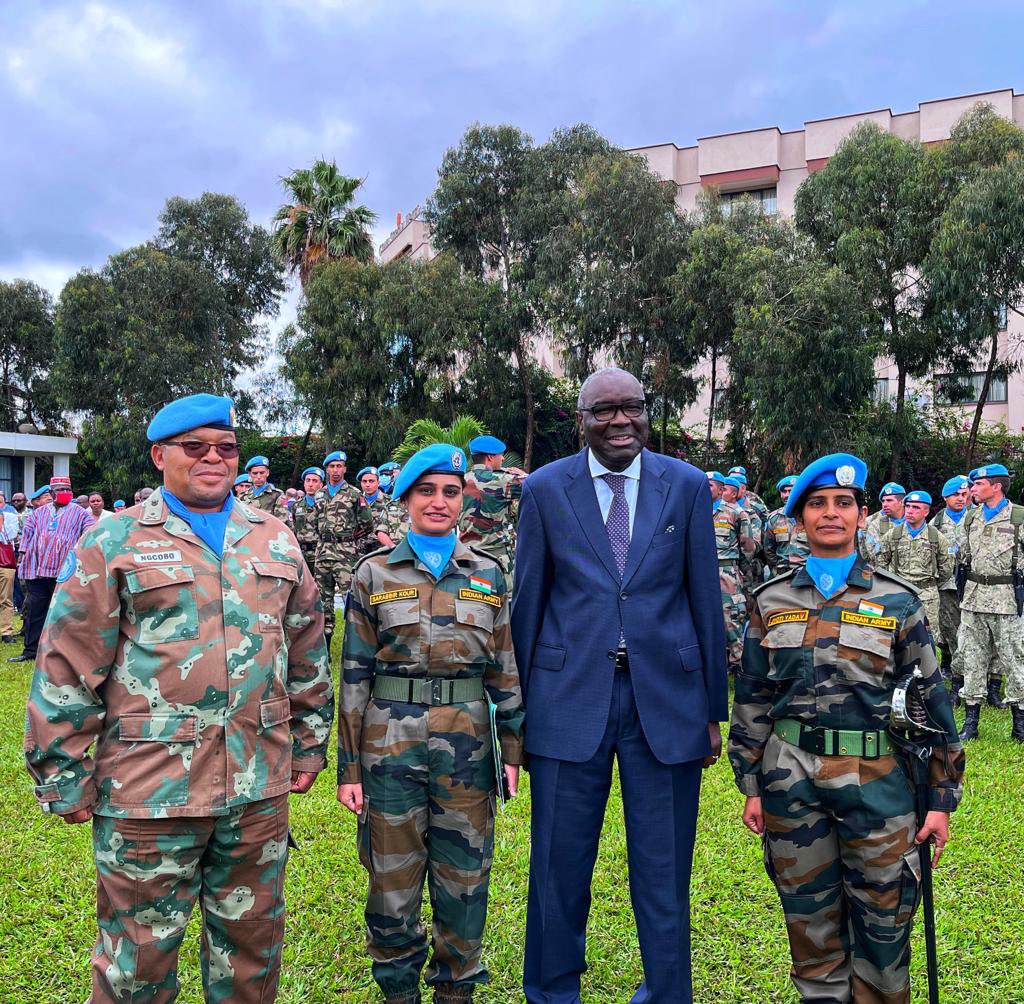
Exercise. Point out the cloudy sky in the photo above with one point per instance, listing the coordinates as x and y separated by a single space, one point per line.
110 107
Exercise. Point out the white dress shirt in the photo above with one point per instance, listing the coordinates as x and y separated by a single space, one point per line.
605 495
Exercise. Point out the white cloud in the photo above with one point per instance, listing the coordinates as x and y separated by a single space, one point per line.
51 275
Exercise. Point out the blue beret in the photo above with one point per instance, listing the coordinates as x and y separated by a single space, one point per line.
732 481
787 482
438 458
336 455
197 411
257 461
918 496
486 444
837 470
314 470
118 502
40 492
367 470
891 488
716 476
389 466
738 470
954 484
990 471
741 479
243 479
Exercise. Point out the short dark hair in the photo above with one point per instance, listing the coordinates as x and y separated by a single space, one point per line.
858 494
479 458
1001 479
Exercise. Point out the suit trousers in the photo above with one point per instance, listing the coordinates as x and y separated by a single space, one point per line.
7 579
40 592
568 805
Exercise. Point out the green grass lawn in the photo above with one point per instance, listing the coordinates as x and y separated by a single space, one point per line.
739 944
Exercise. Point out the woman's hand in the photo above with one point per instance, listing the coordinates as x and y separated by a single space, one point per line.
753 815
351 796
512 777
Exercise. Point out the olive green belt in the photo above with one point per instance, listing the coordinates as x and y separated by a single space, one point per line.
432 690
833 742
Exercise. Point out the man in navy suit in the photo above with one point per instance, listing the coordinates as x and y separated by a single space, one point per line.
619 638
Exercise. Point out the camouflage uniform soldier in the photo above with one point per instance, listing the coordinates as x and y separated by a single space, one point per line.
736 549
921 555
392 523
810 749
186 640
489 504
949 522
368 480
427 650
343 521
784 546
302 513
992 549
261 494
869 541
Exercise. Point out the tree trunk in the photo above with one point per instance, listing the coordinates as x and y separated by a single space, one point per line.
901 390
664 416
302 450
528 401
972 439
711 409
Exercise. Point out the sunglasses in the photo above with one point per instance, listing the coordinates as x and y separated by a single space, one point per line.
196 448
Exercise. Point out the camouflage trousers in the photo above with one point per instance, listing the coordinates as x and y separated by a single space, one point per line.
949 619
428 812
309 556
990 642
930 600
839 846
149 874
333 575
734 609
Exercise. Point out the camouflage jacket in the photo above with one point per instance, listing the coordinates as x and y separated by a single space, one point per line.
990 548
785 547
270 500
203 682
869 540
733 535
953 532
923 561
488 510
303 523
401 621
342 518
833 663
393 519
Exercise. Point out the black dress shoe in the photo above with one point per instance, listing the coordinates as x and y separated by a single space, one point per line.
7 639
22 658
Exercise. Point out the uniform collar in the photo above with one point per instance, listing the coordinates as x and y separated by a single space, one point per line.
402 551
156 513
598 470
860 576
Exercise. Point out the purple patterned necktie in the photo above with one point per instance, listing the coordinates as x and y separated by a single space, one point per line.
617 523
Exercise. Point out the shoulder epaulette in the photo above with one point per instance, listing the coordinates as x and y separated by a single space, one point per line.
776 579
373 554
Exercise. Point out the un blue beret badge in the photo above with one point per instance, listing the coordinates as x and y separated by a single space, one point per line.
457 460
981 473
68 568
845 475
231 416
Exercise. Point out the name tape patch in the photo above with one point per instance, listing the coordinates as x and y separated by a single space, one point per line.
472 594
866 620
787 617
724 524
156 557
393 594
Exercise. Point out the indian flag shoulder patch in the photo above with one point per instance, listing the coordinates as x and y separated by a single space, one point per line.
480 585
869 609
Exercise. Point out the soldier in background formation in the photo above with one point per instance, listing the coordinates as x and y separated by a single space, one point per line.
388 472
810 749
880 523
785 546
343 523
920 554
261 494
736 549
428 661
949 522
489 502
991 629
241 486
186 641
303 512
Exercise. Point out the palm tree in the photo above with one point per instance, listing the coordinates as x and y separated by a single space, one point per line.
424 432
320 222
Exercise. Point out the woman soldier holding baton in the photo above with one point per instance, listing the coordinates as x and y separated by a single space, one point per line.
430 689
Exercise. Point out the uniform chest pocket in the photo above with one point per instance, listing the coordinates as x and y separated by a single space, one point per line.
161 602
275 581
865 651
474 628
398 630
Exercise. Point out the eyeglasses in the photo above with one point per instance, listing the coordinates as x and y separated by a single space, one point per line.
196 448
606 412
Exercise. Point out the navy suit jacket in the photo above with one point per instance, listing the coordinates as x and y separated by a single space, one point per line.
570 605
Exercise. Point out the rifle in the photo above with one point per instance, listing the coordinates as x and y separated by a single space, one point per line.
915 736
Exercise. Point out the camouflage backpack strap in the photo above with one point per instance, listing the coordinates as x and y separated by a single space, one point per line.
897 536
965 544
933 539
1016 521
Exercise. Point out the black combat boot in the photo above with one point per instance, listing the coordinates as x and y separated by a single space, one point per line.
327 640
957 683
448 993
970 729
1017 732
995 684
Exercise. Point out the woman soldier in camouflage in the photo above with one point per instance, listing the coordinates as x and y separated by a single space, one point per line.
428 662
810 749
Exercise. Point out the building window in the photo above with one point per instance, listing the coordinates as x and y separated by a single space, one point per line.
881 390
951 389
6 477
1002 317
765 198
720 405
